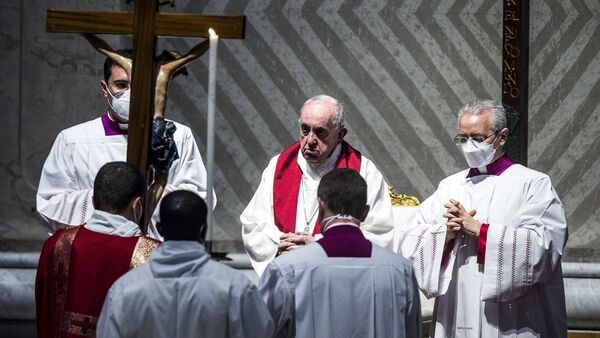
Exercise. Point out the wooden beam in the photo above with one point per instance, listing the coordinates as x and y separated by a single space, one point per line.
166 24
77 21
142 85
190 25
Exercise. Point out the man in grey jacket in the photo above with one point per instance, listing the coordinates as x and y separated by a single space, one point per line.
181 292
342 285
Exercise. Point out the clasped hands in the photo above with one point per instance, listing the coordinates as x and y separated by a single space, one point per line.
290 241
459 219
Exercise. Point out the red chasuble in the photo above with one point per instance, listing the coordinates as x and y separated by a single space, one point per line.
76 268
286 183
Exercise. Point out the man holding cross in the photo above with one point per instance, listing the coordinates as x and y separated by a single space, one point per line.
488 243
64 196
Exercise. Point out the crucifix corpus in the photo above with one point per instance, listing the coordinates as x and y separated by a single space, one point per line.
149 81
515 74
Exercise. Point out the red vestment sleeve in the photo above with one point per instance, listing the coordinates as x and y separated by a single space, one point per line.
43 290
481 242
447 250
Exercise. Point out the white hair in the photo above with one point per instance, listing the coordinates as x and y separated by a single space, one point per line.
497 110
338 110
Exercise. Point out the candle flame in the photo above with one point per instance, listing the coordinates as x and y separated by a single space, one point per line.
211 32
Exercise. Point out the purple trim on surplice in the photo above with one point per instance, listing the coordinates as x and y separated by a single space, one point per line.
495 168
111 127
345 241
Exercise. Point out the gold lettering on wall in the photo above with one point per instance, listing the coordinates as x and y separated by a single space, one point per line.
511 50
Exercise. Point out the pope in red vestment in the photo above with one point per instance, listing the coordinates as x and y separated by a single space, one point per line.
282 214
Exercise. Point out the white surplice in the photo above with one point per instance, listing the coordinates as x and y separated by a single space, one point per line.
261 235
518 291
312 295
181 292
64 196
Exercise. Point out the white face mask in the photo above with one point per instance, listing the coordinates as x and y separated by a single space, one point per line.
120 104
478 154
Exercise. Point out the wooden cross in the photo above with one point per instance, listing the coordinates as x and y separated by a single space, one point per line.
515 73
145 24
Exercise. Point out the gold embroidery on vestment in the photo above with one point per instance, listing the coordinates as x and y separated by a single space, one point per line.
79 324
60 268
142 250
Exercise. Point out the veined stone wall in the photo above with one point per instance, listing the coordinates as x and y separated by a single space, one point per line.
401 68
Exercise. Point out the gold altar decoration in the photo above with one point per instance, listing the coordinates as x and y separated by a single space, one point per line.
402 200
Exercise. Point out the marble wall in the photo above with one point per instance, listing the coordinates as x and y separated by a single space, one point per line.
402 69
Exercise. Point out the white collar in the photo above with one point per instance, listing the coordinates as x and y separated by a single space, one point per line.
111 224
338 224
317 172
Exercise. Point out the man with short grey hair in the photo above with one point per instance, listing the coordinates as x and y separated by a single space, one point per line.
337 120
282 215
488 243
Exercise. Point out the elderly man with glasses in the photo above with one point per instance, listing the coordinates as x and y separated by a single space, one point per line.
488 243
64 196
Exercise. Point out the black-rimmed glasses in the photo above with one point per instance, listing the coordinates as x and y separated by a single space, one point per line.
462 139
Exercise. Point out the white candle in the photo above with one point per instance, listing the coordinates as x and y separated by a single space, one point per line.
210 131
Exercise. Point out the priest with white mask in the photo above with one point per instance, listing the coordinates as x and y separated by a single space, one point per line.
64 196
488 242
282 214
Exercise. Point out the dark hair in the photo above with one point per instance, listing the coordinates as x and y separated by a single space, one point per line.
116 184
183 216
344 192
109 63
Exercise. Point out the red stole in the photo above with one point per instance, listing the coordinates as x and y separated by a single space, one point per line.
76 268
286 184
